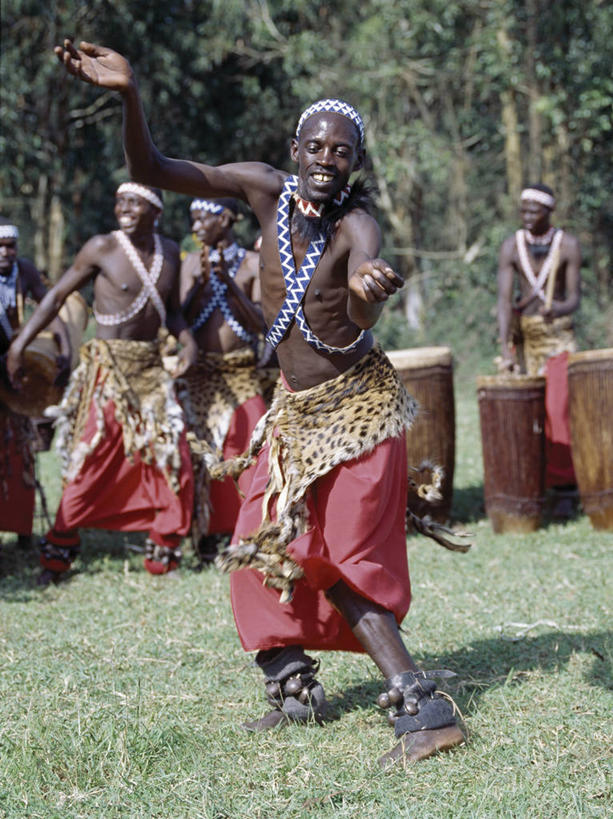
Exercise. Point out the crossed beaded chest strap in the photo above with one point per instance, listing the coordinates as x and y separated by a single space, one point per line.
296 283
233 256
149 279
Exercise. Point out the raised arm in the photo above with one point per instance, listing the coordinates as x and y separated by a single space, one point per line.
371 280
506 273
103 67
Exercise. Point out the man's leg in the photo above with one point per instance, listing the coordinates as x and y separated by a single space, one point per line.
291 688
424 721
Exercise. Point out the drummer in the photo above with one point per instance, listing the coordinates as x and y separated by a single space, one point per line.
120 430
545 262
19 279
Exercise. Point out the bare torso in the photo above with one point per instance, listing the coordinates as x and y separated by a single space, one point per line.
325 304
116 285
561 289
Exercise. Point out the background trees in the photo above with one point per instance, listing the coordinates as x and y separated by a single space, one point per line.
465 102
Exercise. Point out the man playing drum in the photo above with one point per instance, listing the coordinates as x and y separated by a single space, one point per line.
120 429
222 394
324 517
19 279
546 262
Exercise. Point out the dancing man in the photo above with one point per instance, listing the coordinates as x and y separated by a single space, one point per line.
545 262
20 279
120 429
222 394
323 523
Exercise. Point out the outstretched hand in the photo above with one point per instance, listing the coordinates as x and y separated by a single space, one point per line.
374 281
95 64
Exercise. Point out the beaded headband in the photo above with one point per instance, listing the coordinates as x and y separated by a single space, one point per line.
9 232
142 191
534 195
207 206
334 107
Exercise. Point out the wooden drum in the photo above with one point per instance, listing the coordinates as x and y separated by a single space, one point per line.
427 373
590 391
512 413
38 390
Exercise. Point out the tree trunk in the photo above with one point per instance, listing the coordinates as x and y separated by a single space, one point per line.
56 238
39 213
512 147
535 124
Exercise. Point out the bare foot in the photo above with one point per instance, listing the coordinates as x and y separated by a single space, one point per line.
421 744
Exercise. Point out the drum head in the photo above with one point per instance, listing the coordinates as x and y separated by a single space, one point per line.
418 357
37 391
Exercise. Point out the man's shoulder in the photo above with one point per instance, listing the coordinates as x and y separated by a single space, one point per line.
170 247
27 268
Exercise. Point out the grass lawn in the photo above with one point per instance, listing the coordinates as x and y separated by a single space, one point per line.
121 694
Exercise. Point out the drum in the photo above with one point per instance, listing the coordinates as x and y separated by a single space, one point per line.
512 414
590 391
38 390
427 373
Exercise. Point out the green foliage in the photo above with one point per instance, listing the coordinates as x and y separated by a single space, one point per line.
225 81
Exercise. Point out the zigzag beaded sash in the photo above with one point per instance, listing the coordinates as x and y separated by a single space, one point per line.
296 283
235 255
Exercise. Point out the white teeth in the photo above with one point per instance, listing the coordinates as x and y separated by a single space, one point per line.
322 177
124 221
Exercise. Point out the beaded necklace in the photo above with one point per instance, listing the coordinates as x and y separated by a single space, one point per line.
537 282
543 239
8 299
296 282
233 256
149 279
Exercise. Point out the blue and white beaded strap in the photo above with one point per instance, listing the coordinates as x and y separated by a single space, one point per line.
8 299
219 298
296 284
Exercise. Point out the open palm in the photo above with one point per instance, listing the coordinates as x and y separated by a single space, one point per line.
95 64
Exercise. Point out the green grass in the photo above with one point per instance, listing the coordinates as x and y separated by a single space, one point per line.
121 694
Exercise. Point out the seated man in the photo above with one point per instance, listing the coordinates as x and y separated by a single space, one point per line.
120 430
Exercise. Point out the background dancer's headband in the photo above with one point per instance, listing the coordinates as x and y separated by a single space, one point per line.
207 206
335 107
534 195
141 190
9 232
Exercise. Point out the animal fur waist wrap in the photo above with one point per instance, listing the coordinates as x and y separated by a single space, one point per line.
309 433
129 373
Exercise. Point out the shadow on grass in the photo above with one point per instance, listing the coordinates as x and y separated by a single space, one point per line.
494 662
100 550
468 504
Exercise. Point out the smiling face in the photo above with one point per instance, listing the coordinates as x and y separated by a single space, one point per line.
135 214
327 153
8 254
534 216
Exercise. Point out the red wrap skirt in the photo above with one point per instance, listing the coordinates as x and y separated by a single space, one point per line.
225 499
114 492
357 512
